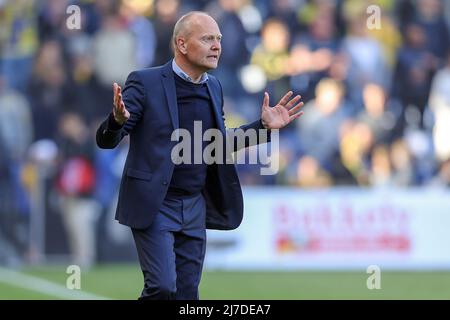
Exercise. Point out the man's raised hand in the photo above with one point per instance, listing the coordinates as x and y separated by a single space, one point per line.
283 113
120 113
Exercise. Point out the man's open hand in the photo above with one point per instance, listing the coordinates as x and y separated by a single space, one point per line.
120 113
282 114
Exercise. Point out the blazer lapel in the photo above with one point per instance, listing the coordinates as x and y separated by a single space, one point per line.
171 96
216 101
171 93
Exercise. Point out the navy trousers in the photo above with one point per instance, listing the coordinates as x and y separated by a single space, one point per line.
172 250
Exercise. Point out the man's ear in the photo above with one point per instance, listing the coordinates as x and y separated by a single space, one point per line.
182 46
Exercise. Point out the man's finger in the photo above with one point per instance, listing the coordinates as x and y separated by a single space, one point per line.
292 102
295 116
266 100
118 99
120 105
117 88
286 97
117 92
119 95
114 92
116 96
296 108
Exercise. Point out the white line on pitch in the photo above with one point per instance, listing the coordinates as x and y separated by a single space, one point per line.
29 282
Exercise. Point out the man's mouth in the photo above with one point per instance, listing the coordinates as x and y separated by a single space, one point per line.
213 56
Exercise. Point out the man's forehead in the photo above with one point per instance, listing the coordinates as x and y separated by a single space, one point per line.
204 24
208 30
203 18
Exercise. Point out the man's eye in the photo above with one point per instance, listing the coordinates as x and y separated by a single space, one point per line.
211 39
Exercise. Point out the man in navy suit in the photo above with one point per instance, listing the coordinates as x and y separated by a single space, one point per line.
168 205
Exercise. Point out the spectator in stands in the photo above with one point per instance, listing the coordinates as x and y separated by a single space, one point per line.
18 42
235 53
366 62
318 135
380 167
440 106
379 113
75 184
403 170
415 67
50 90
143 32
16 134
314 52
272 56
356 142
166 15
430 16
310 174
442 179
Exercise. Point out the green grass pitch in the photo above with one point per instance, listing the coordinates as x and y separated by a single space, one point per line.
125 282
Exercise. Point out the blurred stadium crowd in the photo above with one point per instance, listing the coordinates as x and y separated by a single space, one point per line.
377 100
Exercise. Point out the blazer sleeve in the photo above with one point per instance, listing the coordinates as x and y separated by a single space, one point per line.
239 137
109 134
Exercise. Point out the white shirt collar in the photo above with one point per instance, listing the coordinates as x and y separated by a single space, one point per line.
184 75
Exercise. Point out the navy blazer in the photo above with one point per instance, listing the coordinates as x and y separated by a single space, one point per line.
150 97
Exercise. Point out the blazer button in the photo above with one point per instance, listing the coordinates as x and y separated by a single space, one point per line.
165 183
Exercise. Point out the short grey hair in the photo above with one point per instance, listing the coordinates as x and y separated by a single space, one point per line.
182 24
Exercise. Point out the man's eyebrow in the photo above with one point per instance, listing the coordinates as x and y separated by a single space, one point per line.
212 35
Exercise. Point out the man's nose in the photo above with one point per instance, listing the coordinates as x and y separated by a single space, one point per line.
216 45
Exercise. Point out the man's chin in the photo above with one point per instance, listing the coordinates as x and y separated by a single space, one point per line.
211 65
208 66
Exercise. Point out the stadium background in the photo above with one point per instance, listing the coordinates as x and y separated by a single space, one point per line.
374 138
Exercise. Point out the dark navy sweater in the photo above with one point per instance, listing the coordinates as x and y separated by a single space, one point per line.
194 104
